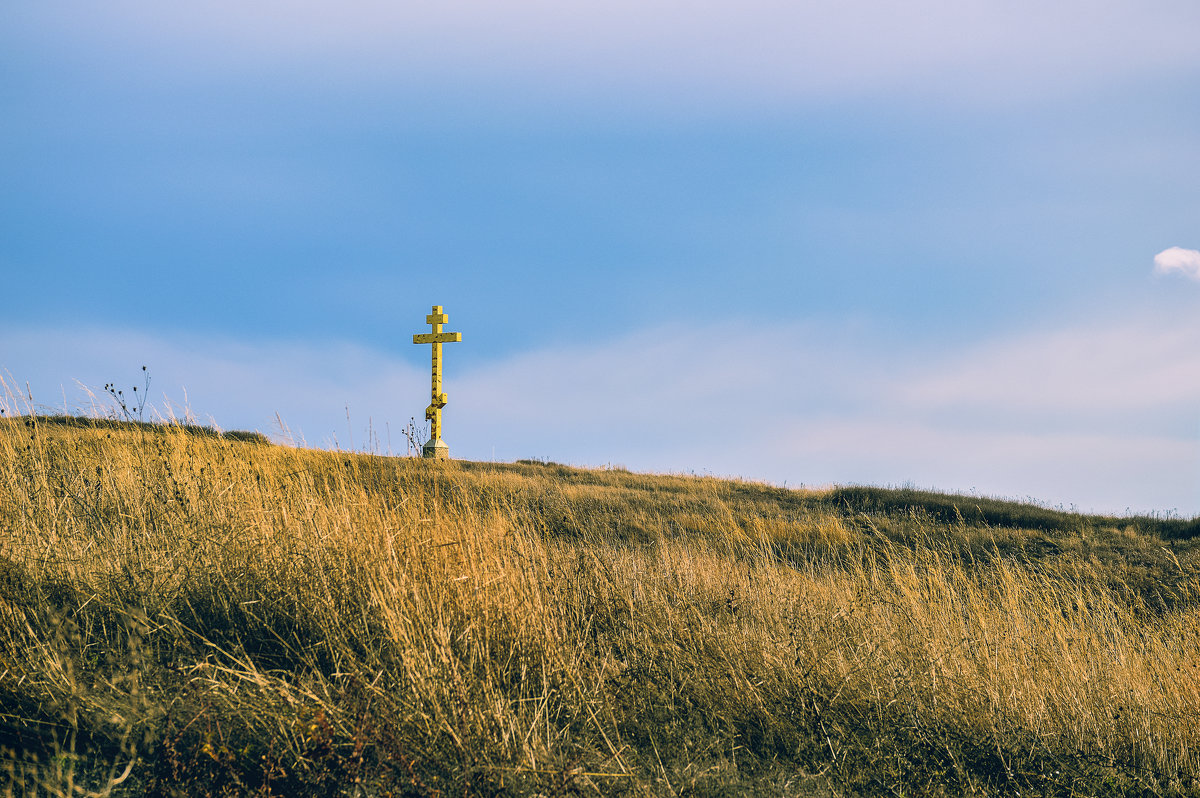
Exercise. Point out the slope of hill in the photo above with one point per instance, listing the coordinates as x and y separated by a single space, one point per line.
184 613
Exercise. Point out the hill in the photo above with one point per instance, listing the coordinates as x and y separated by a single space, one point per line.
185 613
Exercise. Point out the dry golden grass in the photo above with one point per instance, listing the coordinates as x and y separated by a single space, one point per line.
188 614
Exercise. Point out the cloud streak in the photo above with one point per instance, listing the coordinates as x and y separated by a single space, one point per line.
760 48
1103 416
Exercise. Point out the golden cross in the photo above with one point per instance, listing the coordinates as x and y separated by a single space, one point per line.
435 448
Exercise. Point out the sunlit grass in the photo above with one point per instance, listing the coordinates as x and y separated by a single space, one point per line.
183 613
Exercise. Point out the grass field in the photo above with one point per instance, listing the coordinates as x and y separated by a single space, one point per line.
183 613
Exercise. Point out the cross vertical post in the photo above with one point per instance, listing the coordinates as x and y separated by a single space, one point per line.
436 448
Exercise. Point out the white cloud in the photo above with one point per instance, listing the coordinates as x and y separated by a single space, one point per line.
1103 416
1178 259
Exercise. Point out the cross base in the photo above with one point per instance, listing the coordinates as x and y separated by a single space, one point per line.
436 449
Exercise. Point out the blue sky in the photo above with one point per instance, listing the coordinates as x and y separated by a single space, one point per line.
824 242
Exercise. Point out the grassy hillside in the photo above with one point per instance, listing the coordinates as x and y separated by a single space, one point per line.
185 614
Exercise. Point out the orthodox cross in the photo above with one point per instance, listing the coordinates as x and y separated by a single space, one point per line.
436 448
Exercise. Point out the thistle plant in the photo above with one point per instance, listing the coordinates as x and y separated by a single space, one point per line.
133 408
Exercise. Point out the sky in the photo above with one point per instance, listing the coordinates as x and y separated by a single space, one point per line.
947 244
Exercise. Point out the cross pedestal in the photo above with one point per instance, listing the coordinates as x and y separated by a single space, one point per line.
436 448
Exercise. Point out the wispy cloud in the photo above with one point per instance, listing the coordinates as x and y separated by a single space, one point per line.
775 48
1102 373
1178 259
1103 416
312 386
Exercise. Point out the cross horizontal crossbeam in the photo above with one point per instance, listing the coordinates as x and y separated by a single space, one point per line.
437 338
